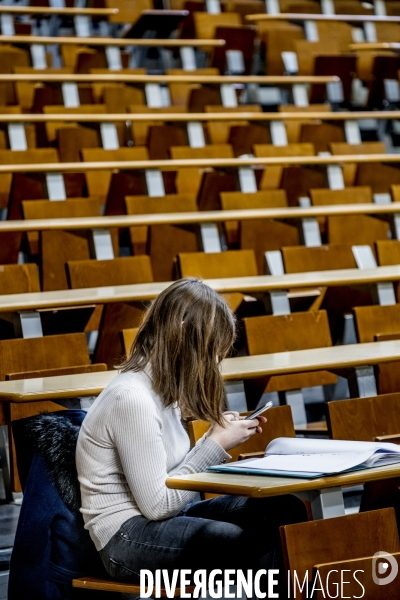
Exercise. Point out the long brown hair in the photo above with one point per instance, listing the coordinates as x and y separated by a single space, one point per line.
185 334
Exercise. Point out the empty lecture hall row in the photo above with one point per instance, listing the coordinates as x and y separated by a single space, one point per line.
252 145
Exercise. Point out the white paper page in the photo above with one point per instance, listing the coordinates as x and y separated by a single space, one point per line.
311 463
321 446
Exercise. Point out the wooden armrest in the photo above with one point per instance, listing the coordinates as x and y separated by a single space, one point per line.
245 455
394 437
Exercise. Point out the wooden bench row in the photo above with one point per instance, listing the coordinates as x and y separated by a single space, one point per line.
247 367
171 165
185 218
148 291
185 117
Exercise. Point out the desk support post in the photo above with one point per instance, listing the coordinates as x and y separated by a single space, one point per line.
4 464
362 383
325 504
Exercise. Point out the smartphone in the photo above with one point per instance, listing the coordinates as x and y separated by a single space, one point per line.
259 411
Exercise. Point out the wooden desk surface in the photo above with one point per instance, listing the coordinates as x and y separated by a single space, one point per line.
201 163
199 217
190 78
104 41
319 17
258 486
43 10
247 367
204 117
375 46
149 291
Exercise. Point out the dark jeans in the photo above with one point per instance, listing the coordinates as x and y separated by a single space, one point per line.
226 532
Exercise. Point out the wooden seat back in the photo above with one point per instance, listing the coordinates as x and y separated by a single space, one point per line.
98 182
258 235
364 419
30 156
219 131
300 259
272 176
140 129
52 351
388 252
233 263
128 337
117 316
118 271
342 538
350 195
47 209
162 242
42 356
360 229
281 333
19 279
374 323
189 180
350 170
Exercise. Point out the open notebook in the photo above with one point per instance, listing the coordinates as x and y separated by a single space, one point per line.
305 457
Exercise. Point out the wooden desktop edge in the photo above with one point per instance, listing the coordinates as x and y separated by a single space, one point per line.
68 11
149 291
247 367
107 41
204 117
321 17
206 163
258 486
189 78
196 217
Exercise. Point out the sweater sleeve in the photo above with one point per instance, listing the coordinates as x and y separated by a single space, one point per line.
136 429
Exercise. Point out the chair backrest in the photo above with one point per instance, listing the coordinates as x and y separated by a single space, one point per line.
280 333
19 279
162 242
299 259
374 320
360 229
279 424
351 195
189 180
342 538
388 252
51 351
128 337
72 207
260 199
363 419
170 203
118 271
98 182
233 263
259 235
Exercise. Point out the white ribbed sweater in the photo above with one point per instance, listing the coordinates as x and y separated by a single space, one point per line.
128 445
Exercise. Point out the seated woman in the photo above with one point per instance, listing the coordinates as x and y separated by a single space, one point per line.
133 439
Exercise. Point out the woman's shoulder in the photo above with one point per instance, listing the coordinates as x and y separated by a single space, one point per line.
126 388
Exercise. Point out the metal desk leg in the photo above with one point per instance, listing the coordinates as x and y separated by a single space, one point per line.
326 503
4 463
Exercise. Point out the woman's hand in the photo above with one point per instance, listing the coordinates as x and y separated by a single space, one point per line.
236 430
